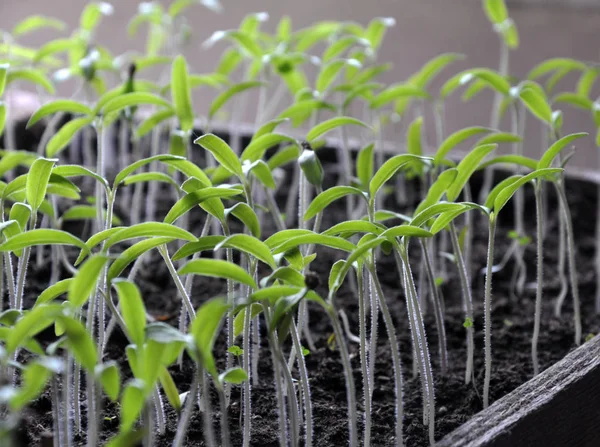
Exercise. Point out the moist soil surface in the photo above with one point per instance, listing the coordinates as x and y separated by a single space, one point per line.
455 402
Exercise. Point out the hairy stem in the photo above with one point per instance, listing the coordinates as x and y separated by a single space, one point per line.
487 303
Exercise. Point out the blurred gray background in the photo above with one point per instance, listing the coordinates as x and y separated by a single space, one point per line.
424 28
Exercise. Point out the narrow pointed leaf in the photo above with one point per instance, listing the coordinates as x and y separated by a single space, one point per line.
222 153
60 105
180 92
37 181
326 126
218 269
84 282
134 252
250 245
324 199
149 229
41 237
389 168
224 97
66 133
132 310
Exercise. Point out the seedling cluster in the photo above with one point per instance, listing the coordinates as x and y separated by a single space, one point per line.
120 141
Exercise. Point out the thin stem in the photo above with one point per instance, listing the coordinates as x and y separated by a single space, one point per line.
187 302
184 419
467 299
437 309
540 279
395 352
560 188
487 303
308 428
350 387
362 322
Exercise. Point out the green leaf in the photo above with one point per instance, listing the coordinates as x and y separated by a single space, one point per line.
586 82
324 199
537 105
235 376
92 14
153 121
238 322
80 342
41 237
556 64
300 111
413 137
78 171
59 105
261 171
11 159
204 329
126 100
495 81
330 71
3 73
217 268
437 189
133 253
54 291
339 46
326 126
438 208
66 133
85 280
148 229
495 10
282 236
259 145
192 199
180 92
395 92
170 389
110 378
132 403
351 227
178 162
151 177
2 116
499 137
268 128
37 181
466 167
389 168
504 196
518 160
32 75
554 150
364 165
284 156
314 238
251 245
405 230
96 239
574 99
247 216
376 30
455 139
204 243
32 323
132 309
222 153
229 93
34 380
36 22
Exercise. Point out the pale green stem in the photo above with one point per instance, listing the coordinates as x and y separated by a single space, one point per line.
566 212
437 309
467 299
395 353
540 278
487 303
363 357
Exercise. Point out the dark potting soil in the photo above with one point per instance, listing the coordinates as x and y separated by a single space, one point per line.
455 401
